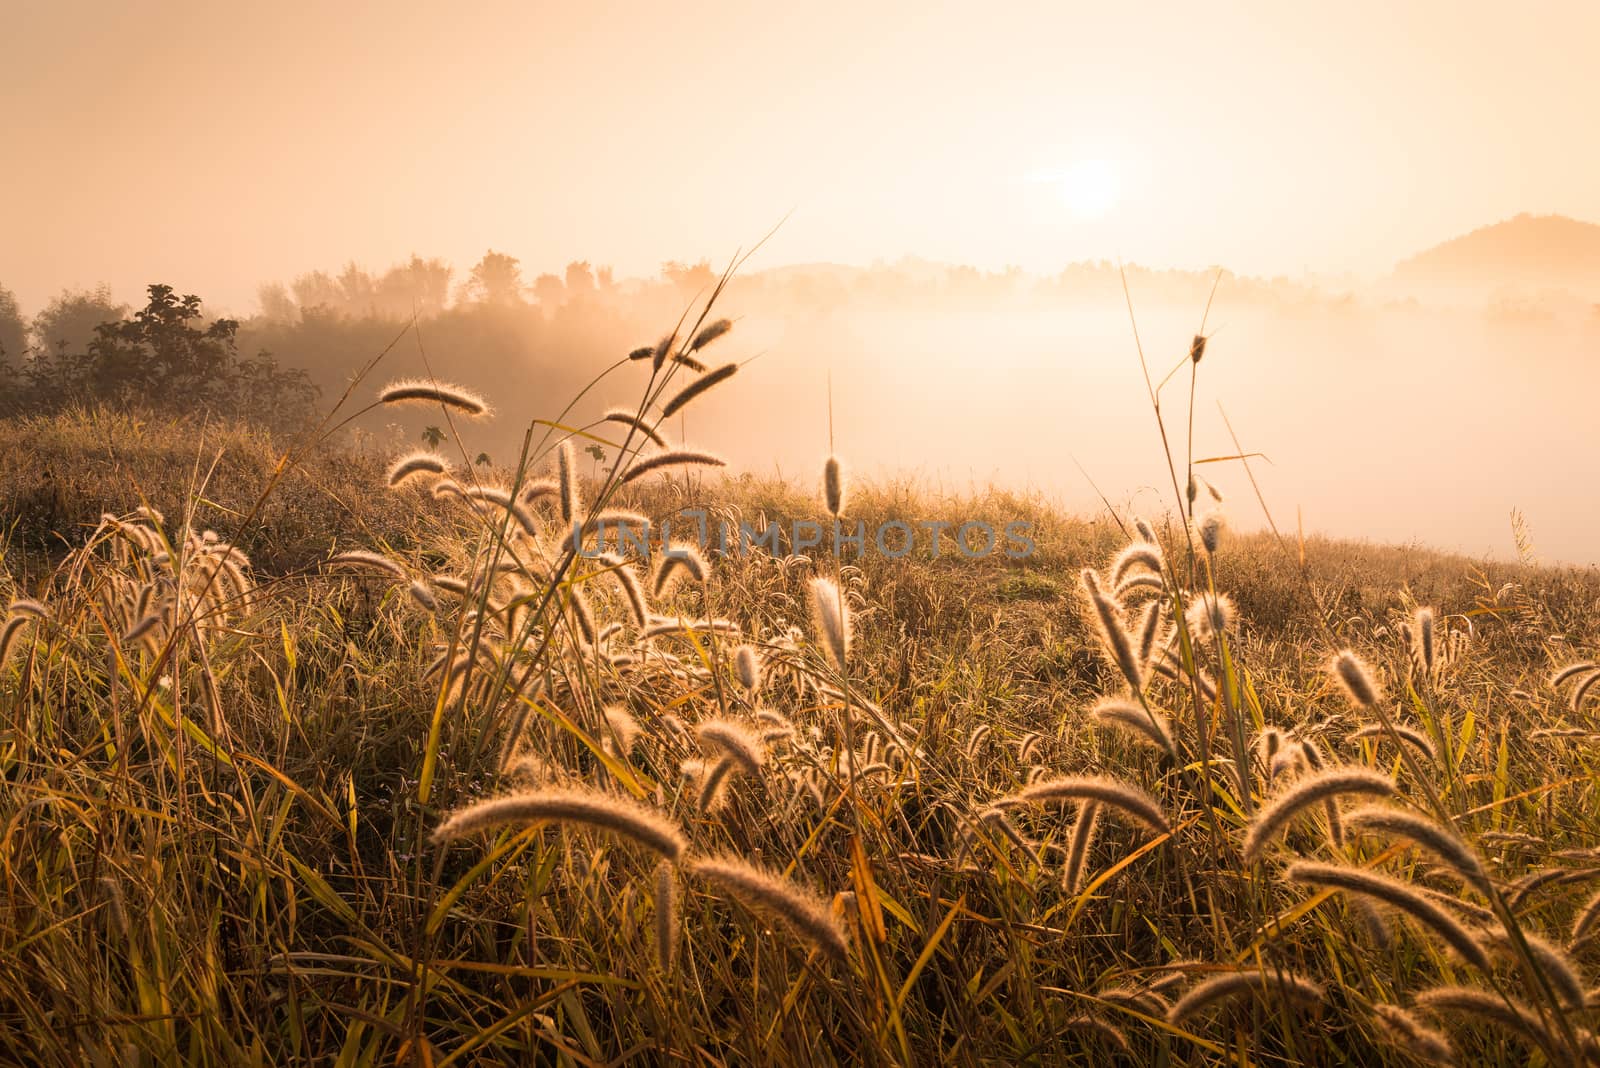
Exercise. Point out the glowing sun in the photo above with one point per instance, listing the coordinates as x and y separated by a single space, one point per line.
1089 188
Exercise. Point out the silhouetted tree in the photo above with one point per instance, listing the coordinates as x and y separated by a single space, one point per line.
580 280
67 323
497 279
317 289
276 303
167 358
550 291
689 278
13 329
421 285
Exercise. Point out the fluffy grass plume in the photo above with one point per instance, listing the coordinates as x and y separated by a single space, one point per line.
426 391
567 479
680 559
582 807
666 916
709 333
364 558
1110 792
1231 985
632 421
747 667
1408 735
1326 785
1412 1035
670 458
833 486
1479 1004
1356 678
800 910
413 464
1113 634
831 615
698 387
733 740
1148 726
1397 895
1078 845
1441 841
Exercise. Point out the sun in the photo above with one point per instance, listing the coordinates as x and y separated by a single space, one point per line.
1089 188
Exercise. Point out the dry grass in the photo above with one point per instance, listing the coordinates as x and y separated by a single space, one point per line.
226 827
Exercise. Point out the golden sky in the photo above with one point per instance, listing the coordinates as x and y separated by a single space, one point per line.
218 145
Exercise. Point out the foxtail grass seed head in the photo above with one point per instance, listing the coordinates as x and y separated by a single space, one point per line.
666 914
1504 1012
663 349
805 914
696 388
1209 530
679 560
671 458
1407 735
1437 839
1423 631
1114 636
582 807
1585 686
414 464
424 597
633 422
733 740
1210 614
567 477
427 391
1113 793
1273 985
709 333
1572 671
832 617
1146 532
833 486
1079 844
1141 554
371 561
1398 896
27 606
1354 676
747 667
1144 724
1412 1035
623 727
1271 818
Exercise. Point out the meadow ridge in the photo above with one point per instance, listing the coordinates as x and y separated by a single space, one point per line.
320 750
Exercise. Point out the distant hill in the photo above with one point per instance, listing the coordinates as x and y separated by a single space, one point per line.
1529 253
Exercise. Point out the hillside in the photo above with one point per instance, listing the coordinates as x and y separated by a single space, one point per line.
1526 254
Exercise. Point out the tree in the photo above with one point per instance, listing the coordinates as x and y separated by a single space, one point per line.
420 286
276 303
13 329
167 357
689 279
549 291
317 289
67 324
580 280
497 279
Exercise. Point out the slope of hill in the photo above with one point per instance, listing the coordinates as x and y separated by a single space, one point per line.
1525 254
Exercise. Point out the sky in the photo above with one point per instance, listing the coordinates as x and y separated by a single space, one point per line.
219 145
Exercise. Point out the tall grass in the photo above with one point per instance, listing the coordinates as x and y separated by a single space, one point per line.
462 785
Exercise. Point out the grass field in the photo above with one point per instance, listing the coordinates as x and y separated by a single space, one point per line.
304 767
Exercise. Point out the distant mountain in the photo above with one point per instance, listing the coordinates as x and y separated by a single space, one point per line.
1527 254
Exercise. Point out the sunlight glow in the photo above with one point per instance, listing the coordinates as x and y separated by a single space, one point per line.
1090 188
